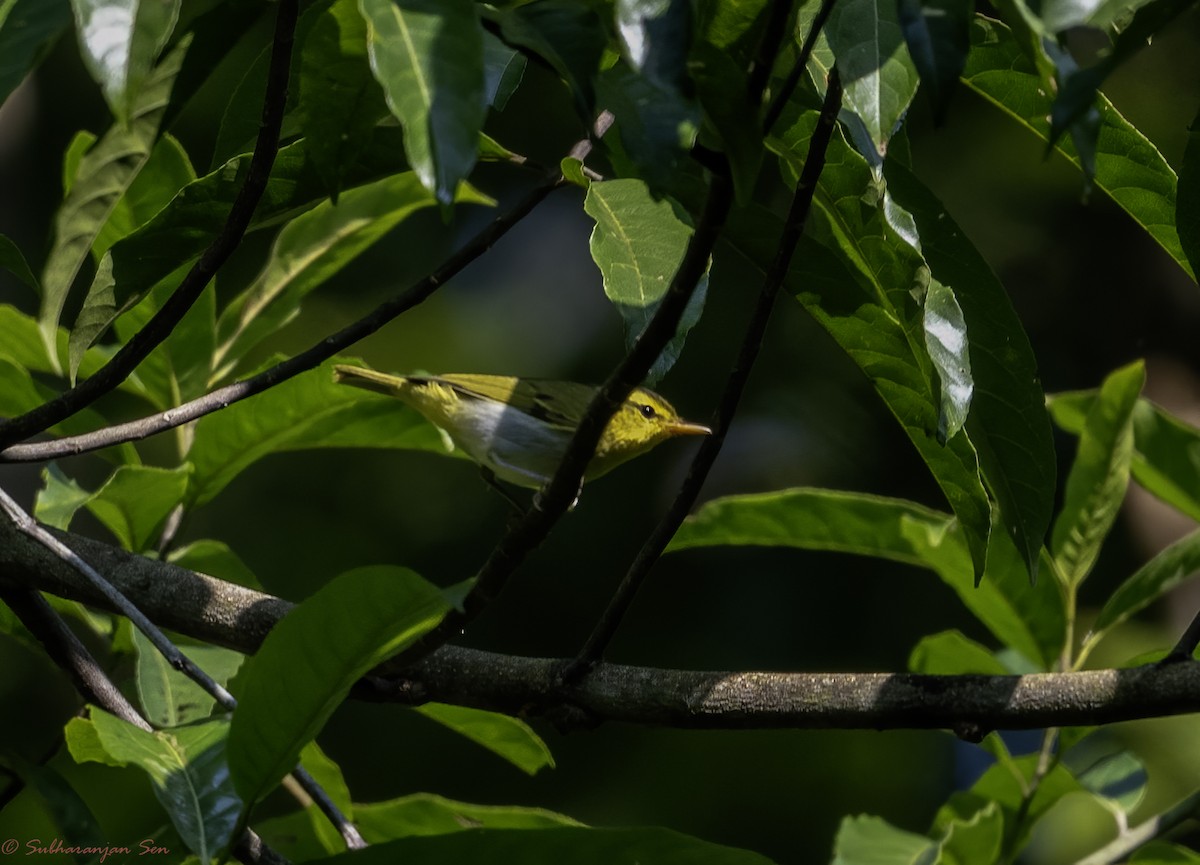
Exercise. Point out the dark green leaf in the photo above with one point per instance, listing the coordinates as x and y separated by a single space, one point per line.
12 260
28 29
657 126
120 40
69 812
1099 475
1174 565
950 653
1187 205
427 814
866 840
638 244
655 38
877 73
1116 776
948 347
577 845
1008 424
313 247
340 101
1159 852
428 57
727 37
938 35
167 170
216 559
105 173
1078 88
503 69
510 738
168 697
1031 620
308 411
1129 168
310 659
567 35
1007 784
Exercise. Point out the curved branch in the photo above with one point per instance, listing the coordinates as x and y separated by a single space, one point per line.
239 618
109 376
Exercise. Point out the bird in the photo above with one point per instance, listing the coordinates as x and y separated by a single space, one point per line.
517 429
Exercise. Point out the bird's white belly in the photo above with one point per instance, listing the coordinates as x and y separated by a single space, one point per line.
520 449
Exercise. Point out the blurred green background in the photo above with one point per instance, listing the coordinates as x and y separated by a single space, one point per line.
1093 292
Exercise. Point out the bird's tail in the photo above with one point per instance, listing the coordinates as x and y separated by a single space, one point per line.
369 379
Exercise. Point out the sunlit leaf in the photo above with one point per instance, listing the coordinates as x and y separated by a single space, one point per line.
507 737
427 814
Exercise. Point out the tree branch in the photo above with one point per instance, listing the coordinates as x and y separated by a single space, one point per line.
710 448
239 618
109 376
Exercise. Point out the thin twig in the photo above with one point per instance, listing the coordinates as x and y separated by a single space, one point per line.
654 545
529 529
94 685
1186 647
28 526
68 652
780 99
1131 839
197 279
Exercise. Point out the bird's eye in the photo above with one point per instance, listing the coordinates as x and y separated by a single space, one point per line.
647 411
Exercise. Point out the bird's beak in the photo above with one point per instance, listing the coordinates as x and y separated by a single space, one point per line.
687 428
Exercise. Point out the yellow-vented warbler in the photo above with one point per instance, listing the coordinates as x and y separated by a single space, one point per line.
519 427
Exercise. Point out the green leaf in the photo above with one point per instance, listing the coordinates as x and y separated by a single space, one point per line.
427 814
166 171
1099 475
119 41
859 271
168 697
428 57
880 79
313 247
59 498
301 836
308 411
309 660
216 559
28 29
329 776
950 653
1129 169
187 770
577 845
866 840
655 37
83 743
510 738
638 244
1116 776
938 36
105 173
1031 620
1008 424
569 36
12 260
340 101
136 500
1174 565
971 835
1007 784
948 347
